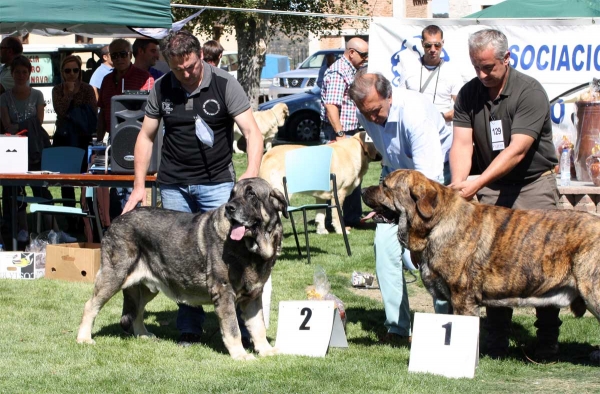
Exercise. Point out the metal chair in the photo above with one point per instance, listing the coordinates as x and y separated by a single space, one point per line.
308 169
64 160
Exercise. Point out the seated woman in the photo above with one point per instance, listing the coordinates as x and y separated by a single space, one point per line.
76 116
22 107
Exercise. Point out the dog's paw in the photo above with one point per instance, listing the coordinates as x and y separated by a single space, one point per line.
322 231
268 351
88 341
243 357
147 335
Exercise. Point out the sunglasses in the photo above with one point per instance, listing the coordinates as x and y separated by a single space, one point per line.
363 55
117 55
68 70
428 45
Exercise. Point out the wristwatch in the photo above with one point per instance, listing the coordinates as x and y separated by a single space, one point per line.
340 133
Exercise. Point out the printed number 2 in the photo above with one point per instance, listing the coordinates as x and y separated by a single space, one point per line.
448 327
308 313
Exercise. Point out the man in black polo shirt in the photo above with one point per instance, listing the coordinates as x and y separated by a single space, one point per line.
502 120
198 104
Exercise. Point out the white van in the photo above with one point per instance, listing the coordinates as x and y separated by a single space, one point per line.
45 61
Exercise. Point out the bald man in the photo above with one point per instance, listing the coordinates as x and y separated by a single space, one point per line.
338 112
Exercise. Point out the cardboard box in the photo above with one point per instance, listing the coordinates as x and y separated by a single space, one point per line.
21 265
76 262
13 154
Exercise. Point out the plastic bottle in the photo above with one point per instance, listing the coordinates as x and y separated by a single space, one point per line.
1 248
565 168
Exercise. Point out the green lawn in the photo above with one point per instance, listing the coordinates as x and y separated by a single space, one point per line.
39 321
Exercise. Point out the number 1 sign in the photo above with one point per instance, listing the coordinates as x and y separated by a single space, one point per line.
309 328
445 345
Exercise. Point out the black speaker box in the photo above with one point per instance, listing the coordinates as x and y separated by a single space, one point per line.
126 117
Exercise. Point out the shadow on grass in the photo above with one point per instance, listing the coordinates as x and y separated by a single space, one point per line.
163 325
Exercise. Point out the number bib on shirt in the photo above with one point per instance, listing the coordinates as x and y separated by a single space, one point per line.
497 135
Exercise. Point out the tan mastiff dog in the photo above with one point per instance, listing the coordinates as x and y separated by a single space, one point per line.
482 255
350 162
269 121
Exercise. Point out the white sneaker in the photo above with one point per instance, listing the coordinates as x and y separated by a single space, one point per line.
23 236
66 238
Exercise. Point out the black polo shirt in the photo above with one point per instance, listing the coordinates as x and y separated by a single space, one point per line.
184 159
523 108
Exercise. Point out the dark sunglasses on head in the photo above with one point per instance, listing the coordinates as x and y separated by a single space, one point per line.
428 45
68 70
362 55
117 55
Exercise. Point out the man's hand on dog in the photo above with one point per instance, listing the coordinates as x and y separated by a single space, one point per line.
466 189
138 195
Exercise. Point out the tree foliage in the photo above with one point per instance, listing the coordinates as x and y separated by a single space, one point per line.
254 30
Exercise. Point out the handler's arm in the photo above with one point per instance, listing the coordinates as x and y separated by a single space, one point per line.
141 161
333 115
506 160
254 142
461 153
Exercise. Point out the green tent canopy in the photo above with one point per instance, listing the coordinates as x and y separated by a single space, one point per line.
84 17
541 9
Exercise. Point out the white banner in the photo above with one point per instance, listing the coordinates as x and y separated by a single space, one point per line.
560 54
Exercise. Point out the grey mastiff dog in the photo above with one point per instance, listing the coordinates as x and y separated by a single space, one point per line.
222 257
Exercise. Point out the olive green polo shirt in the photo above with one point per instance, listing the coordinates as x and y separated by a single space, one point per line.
523 108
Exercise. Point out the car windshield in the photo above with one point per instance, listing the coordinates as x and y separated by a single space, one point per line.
315 61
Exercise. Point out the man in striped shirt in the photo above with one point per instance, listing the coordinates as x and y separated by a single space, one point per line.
338 112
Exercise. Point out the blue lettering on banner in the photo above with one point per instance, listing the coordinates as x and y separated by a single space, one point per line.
556 57
543 49
577 66
561 111
564 59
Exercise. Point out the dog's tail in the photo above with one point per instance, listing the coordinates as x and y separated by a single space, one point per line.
578 307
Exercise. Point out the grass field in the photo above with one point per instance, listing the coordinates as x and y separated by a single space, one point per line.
39 321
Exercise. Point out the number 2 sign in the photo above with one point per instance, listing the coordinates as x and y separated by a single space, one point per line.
309 328
445 345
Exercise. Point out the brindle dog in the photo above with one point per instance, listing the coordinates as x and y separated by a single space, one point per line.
481 255
222 257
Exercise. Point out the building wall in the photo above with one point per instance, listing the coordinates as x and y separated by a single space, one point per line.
460 8
418 9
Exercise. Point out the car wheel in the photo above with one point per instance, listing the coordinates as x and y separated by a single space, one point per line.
305 127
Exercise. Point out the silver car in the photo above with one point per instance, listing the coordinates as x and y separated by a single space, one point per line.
302 78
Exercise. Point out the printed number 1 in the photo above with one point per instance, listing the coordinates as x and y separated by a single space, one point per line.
448 327
308 313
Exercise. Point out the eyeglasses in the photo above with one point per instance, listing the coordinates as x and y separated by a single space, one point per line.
363 55
428 45
68 70
117 55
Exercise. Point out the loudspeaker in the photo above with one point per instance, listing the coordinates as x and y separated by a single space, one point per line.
126 117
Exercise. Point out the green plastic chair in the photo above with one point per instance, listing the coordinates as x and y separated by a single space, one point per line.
309 169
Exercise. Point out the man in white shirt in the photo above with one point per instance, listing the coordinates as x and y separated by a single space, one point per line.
410 133
435 77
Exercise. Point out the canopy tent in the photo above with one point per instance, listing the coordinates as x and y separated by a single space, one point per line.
116 18
541 9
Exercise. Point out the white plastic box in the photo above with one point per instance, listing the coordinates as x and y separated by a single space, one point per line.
13 154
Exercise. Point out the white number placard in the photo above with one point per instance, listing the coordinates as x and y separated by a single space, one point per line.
309 328
445 345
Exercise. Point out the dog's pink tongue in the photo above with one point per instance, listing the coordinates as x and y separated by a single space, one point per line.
369 216
237 232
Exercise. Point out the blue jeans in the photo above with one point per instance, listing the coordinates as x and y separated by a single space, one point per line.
390 256
194 199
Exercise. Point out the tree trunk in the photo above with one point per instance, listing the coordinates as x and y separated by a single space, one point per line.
251 56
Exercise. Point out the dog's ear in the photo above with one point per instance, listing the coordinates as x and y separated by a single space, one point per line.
425 196
278 200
